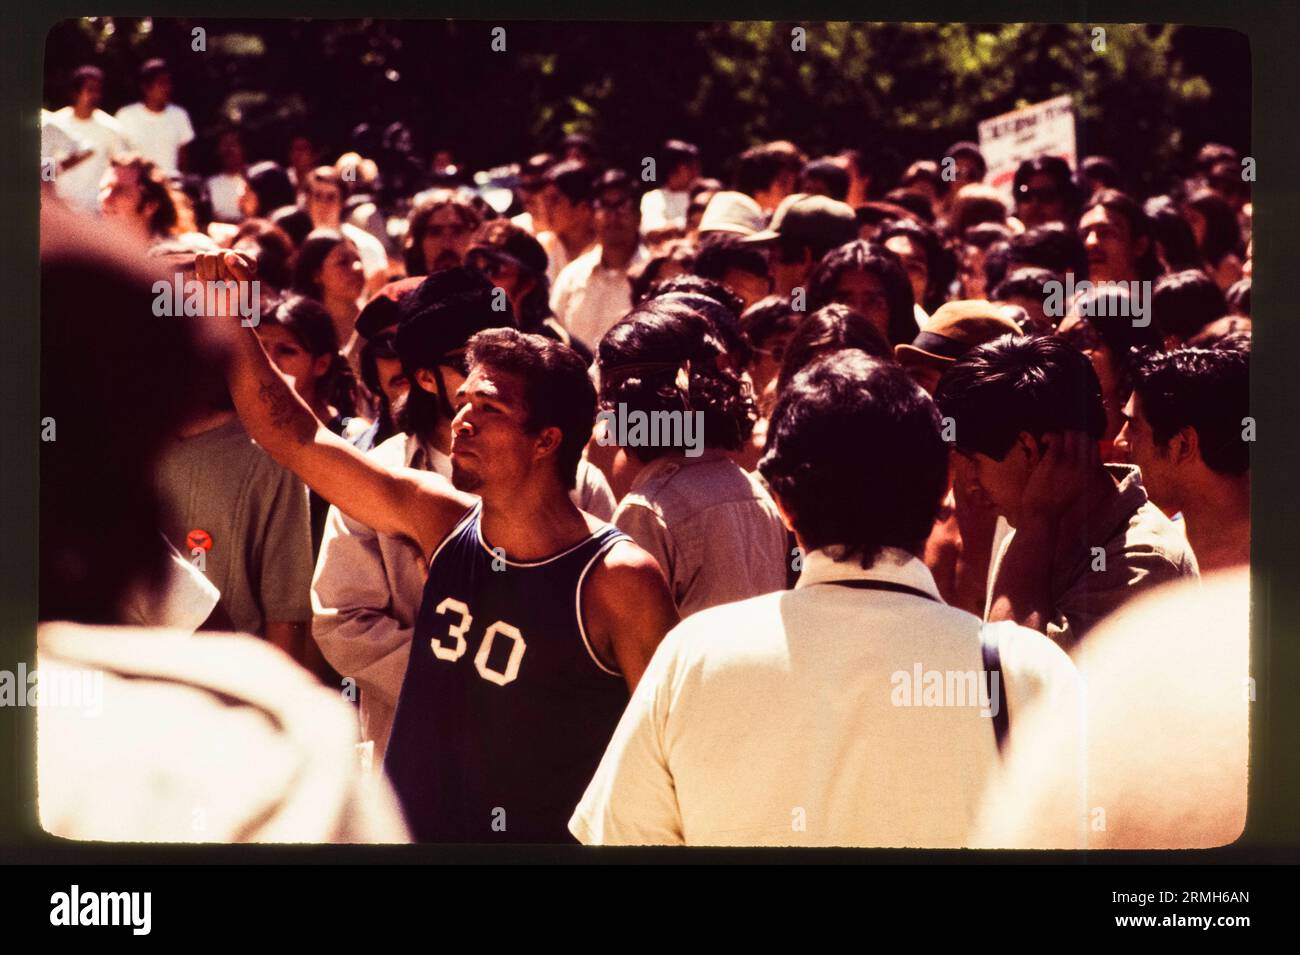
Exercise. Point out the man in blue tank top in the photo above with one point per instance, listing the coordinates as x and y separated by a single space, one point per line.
538 619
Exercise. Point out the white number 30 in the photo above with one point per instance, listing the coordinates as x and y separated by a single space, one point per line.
456 650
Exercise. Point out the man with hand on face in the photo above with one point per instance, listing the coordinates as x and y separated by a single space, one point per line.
537 618
1027 416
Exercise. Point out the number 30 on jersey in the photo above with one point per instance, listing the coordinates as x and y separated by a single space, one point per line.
452 647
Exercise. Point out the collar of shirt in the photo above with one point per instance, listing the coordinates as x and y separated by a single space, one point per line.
670 464
893 565
596 252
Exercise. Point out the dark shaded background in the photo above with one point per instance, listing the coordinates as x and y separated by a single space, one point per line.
897 91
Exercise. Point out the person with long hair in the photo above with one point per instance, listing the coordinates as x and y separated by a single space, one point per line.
328 270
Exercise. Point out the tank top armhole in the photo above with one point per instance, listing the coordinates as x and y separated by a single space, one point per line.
604 548
468 516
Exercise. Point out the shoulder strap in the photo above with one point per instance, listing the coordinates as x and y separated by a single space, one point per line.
993 665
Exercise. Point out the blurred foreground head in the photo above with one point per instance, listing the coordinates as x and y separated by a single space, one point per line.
117 380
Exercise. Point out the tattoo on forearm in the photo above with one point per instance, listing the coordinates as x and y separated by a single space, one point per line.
285 413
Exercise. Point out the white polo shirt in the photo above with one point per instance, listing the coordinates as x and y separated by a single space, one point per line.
801 718
588 298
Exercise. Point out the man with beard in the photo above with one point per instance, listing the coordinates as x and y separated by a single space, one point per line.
564 611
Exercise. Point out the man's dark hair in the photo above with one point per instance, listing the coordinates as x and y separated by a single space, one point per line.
758 167
1237 297
421 217
645 276
767 318
1185 302
1059 170
971 151
1025 282
940 263
674 154
914 201
1139 226
1222 230
927 171
557 389
271 184
720 306
150 70
722 252
83 75
573 178
873 258
275 251
1013 384
855 456
1102 170
1172 233
641 359
831 328
1207 389
1052 246
830 175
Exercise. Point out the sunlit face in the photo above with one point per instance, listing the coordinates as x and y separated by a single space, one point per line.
1112 251
564 216
618 218
1138 446
119 194
1039 201
293 359
865 293
91 93
766 365
302 156
341 274
231 153
491 447
447 239
914 262
324 204
1001 482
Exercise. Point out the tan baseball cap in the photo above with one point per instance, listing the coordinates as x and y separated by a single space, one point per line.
955 328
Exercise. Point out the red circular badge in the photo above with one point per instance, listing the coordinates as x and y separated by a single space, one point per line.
198 538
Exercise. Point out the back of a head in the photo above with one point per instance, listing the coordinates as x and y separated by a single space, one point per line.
1019 384
573 178
1185 302
664 356
831 328
758 167
1052 246
116 381
882 487
1207 389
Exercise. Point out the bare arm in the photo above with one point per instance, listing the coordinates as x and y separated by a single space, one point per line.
277 419
629 609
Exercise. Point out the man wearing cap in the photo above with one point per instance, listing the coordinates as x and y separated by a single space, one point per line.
733 213
961 544
593 291
802 230
367 588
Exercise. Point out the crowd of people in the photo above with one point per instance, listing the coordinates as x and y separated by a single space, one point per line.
901 429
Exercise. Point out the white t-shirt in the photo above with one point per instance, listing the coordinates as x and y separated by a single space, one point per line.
806 717
588 299
157 136
80 184
225 190
664 207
